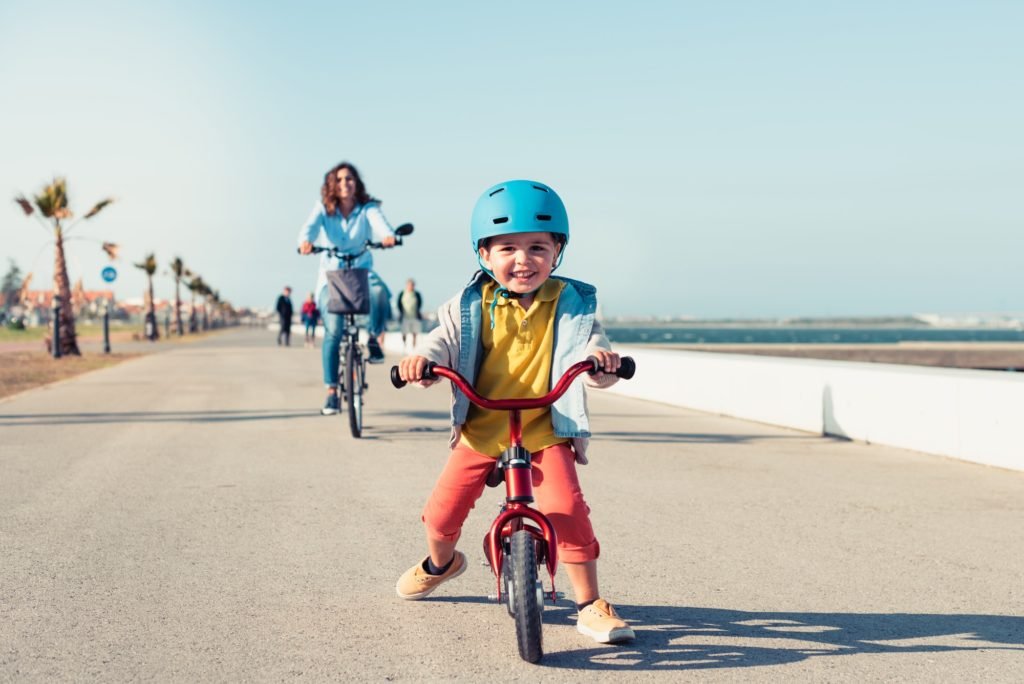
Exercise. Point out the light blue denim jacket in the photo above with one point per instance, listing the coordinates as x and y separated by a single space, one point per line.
366 222
456 343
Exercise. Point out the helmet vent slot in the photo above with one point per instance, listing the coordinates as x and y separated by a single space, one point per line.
496 192
501 219
537 187
543 217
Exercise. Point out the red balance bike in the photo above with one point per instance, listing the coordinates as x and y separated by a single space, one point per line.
521 538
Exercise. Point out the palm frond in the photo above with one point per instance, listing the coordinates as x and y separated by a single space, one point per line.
98 208
52 201
148 264
178 267
25 205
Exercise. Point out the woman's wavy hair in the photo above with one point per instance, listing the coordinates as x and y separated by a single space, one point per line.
329 190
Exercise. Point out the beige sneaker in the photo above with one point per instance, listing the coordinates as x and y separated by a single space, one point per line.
415 583
600 622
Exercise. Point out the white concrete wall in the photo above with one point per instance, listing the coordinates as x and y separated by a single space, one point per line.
972 415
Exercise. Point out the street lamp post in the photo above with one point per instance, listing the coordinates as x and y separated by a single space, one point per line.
106 327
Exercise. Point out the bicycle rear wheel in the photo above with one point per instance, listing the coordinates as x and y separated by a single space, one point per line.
526 605
354 388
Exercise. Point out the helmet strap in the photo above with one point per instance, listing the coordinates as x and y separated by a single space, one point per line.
503 291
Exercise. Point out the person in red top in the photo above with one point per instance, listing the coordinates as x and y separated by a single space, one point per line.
310 317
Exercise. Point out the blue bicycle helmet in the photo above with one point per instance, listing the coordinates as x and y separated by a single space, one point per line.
518 206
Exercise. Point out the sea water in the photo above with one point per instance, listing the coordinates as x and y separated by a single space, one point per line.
811 335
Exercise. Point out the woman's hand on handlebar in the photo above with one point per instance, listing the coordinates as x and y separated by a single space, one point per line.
411 369
389 241
306 247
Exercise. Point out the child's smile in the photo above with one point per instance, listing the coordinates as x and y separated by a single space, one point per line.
521 262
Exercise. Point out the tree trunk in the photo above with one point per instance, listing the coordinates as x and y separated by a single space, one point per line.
177 307
152 308
62 286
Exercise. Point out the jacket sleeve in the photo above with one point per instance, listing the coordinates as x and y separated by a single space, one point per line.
379 226
441 345
598 340
310 230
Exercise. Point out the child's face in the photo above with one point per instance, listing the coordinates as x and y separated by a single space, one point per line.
521 262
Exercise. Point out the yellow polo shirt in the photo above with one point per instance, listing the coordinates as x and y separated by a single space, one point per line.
516 363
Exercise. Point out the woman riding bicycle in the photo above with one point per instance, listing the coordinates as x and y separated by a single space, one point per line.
345 217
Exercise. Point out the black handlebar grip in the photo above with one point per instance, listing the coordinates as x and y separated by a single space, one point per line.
399 383
627 367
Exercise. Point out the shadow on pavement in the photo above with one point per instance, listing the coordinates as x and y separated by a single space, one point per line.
692 437
700 638
419 415
150 417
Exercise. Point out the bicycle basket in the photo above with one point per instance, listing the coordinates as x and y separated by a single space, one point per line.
348 291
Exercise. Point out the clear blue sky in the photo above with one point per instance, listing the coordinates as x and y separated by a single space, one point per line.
717 159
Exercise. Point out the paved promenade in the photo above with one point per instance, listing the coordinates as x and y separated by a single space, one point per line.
189 516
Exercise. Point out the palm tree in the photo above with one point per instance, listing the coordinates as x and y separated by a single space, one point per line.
52 204
206 291
149 266
196 286
179 271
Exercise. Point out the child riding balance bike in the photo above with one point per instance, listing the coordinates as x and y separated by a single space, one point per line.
511 330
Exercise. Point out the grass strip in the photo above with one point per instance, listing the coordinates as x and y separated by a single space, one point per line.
23 370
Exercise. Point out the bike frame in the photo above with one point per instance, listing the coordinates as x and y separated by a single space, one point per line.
516 462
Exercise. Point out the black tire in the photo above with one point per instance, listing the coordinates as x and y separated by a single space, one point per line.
354 389
527 609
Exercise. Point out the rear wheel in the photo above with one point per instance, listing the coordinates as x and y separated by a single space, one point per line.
524 596
354 388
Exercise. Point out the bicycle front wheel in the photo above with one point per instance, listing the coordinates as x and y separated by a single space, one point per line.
526 603
354 388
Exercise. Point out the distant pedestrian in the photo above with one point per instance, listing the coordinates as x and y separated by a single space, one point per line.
284 315
410 311
310 317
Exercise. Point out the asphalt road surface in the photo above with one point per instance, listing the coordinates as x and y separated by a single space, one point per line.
189 515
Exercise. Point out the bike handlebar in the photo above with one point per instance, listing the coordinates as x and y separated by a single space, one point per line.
434 371
400 232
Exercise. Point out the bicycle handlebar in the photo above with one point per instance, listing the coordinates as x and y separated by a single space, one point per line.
434 371
337 253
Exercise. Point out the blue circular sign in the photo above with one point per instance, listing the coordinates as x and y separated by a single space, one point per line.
109 274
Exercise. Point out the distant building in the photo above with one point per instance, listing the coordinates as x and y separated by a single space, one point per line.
38 303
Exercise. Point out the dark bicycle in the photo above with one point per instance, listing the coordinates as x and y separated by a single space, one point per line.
350 296
521 539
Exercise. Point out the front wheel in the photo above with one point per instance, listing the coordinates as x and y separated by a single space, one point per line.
354 389
525 604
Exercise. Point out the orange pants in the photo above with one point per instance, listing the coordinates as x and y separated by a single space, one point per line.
556 493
